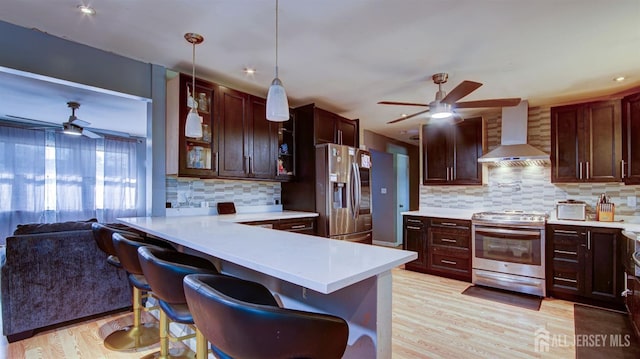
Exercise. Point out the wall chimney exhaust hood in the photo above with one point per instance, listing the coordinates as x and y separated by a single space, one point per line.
513 149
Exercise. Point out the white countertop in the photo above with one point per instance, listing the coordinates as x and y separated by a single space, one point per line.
627 223
440 212
321 264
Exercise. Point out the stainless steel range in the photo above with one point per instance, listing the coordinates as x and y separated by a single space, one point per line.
508 250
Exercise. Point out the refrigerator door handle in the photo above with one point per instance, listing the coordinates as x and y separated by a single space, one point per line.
355 189
352 192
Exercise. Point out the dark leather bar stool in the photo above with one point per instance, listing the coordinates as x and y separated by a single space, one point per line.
103 235
241 319
138 335
165 271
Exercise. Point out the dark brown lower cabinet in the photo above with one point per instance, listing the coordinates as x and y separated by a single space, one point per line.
443 246
633 302
584 264
415 239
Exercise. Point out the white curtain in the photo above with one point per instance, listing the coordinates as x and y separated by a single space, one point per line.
53 177
22 178
120 179
75 177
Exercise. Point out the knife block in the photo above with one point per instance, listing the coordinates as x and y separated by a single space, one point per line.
605 212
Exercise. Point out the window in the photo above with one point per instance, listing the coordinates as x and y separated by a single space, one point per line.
47 176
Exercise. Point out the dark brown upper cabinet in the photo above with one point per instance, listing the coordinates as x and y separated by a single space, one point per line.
586 142
451 152
631 139
332 128
238 141
191 157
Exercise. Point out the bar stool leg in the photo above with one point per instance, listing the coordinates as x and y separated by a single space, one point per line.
136 336
201 345
165 338
164 335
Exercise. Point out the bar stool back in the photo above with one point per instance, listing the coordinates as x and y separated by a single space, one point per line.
241 319
103 235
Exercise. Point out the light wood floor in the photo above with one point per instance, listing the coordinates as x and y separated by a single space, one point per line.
431 319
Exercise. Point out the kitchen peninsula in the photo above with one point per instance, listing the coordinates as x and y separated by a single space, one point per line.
305 272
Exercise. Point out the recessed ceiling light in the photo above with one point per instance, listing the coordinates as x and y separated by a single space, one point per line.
249 71
619 79
404 115
87 10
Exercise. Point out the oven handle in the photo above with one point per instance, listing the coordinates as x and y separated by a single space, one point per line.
505 233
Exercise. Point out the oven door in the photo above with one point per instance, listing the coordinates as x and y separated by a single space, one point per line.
509 250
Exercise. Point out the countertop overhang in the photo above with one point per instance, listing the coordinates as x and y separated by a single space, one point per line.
317 263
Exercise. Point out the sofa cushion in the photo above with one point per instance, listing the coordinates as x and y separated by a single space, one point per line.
33 228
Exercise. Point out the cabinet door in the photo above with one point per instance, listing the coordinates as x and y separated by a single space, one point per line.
566 130
603 146
262 141
631 139
436 154
415 239
566 252
233 127
346 132
190 157
604 270
324 126
467 148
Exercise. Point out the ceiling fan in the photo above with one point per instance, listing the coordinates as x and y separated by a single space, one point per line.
444 104
76 126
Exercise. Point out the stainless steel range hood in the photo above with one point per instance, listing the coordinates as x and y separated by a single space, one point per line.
513 149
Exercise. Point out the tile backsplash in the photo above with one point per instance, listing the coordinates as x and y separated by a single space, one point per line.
192 192
525 188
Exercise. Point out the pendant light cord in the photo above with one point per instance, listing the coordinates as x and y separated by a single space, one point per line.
193 77
276 38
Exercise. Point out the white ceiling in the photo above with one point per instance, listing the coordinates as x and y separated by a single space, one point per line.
346 55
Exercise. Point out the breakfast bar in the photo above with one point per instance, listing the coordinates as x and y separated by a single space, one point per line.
304 272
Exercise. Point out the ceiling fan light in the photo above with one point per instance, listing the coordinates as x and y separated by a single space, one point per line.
440 110
70 129
277 103
193 125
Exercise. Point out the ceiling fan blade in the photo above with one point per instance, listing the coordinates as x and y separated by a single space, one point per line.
460 91
78 122
402 103
498 102
90 134
407 117
30 121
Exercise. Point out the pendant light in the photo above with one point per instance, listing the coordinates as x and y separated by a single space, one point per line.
277 104
193 124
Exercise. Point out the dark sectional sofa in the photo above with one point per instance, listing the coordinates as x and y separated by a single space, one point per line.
54 273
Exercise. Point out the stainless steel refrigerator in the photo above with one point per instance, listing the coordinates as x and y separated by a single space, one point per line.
343 193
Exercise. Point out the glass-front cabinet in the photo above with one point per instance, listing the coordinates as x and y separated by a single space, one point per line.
187 156
286 150
237 142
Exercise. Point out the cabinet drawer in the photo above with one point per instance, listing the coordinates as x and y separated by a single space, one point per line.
263 224
565 278
444 262
414 222
296 225
450 223
449 237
